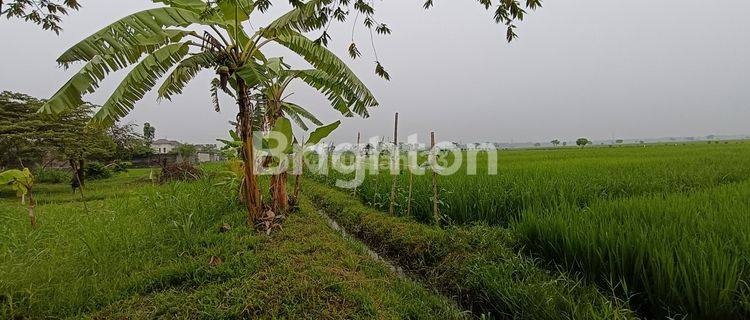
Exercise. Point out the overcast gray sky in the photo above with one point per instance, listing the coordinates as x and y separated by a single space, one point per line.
592 68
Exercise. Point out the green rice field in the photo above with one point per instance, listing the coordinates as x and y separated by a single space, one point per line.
665 226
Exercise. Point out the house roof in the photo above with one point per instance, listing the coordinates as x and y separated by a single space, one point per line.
165 141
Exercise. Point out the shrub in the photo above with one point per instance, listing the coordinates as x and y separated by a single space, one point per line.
120 166
184 171
96 170
51 175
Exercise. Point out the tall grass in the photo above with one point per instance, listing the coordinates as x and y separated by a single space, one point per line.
143 252
134 238
541 179
683 254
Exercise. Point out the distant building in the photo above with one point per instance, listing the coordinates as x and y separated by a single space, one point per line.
209 153
164 146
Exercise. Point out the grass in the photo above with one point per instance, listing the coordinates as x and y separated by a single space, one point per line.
542 179
475 265
664 228
143 251
682 255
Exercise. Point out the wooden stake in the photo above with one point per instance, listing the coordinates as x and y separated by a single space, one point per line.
356 156
357 146
394 166
435 208
32 204
411 187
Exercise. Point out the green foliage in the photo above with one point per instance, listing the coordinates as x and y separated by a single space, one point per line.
128 144
283 127
27 137
321 133
17 123
51 175
120 166
186 151
20 181
45 13
162 50
149 133
581 142
528 179
96 170
682 255
139 81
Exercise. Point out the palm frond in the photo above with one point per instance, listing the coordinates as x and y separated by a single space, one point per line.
347 100
299 115
336 71
304 18
117 40
86 80
197 6
139 81
185 71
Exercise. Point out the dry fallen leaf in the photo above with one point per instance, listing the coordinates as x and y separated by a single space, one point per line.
215 261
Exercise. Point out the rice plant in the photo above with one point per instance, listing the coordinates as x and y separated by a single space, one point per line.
541 179
681 255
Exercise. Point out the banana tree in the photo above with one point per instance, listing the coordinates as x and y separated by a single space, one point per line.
22 181
187 36
315 137
272 98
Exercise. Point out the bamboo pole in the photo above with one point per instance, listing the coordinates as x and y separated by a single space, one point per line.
411 188
356 156
32 204
435 208
394 166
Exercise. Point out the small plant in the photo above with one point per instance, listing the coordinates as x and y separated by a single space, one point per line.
50 175
22 181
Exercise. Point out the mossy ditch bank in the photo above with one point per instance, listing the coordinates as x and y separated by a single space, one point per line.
475 265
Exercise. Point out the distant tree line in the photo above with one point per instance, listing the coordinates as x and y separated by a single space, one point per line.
30 140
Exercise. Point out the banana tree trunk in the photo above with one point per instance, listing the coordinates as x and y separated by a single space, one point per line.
278 192
279 197
252 193
298 183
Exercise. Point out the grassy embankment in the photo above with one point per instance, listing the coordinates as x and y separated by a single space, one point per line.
143 251
476 265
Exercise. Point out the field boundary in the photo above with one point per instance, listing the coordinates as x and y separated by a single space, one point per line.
475 265
395 269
